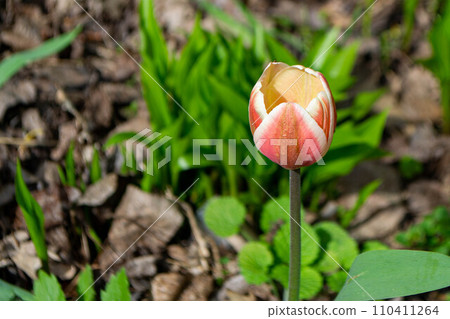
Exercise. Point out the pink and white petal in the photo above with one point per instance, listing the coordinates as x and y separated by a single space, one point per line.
256 108
330 124
331 107
317 111
289 123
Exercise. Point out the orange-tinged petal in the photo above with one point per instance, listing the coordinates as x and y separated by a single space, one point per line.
291 84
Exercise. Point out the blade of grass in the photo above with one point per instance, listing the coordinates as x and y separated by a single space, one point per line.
34 217
12 64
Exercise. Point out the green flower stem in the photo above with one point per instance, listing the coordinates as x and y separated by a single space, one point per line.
295 239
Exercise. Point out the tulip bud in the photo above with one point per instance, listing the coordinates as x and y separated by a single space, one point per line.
292 115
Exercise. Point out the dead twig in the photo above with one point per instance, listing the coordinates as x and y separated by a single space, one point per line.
202 245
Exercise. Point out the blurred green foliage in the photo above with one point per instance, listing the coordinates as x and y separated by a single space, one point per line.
46 287
266 258
33 215
209 84
203 92
439 63
433 233
410 167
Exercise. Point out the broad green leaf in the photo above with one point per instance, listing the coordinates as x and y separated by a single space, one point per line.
11 65
224 215
34 217
254 261
338 243
85 283
388 274
336 281
117 289
281 273
273 214
309 248
6 292
10 292
310 280
47 288
310 283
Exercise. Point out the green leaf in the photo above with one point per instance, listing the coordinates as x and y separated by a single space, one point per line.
96 170
117 289
368 132
153 45
155 65
278 52
11 65
47 288
338 244
272 214
6 292
336 281
309 248
394 273
224 215
310 283
230 100
85 283
34 217
343 62
339 162
281 273
322 50
254 261
10 292
310 280
364 102
228 21
118 138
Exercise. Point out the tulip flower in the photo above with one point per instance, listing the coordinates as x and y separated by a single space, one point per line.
292 118
292 115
